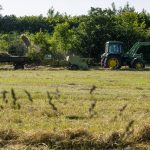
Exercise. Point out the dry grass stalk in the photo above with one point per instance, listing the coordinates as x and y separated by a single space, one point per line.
121 111
4 96
29 95
1 107
50 102
15 104
18 106
57 94
13 94
93 104
128 131
93 89
91 109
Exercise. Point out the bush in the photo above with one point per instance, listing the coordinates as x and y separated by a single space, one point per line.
35 55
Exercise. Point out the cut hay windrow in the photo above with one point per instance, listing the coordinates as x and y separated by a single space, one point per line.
71 139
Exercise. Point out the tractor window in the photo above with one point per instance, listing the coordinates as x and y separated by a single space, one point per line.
115 48
145 50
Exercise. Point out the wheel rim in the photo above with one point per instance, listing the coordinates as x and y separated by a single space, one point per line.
138 65
113 63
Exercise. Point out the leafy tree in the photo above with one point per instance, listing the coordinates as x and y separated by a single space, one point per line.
85 35
131 28
52 14
126 8
40 46
61 38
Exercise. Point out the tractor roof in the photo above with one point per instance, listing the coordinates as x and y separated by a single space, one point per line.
109 42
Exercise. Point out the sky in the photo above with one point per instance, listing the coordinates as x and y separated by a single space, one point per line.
71 7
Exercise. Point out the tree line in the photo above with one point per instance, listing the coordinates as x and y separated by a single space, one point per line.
60 34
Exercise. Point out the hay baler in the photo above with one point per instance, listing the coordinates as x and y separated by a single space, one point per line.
76 62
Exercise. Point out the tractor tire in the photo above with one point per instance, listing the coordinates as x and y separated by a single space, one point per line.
113 62
130 66
18 66
138 64
74 67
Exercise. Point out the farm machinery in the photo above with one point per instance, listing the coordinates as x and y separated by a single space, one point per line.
76 62
18 61
115 57
16 57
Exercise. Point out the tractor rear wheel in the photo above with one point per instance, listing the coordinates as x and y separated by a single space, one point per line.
74 67
138 64
18 66
113 62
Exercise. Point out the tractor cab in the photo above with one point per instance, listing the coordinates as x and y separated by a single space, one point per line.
113 51
114 47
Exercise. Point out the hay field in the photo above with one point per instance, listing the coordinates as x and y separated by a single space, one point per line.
108 106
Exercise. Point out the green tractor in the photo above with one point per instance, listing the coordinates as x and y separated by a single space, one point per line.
115 57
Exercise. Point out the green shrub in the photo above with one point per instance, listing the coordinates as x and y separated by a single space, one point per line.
34 54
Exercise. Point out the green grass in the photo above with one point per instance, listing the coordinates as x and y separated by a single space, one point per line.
115 89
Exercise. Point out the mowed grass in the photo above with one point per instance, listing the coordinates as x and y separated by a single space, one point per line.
115 89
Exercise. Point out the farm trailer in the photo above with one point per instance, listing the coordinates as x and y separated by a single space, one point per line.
18 61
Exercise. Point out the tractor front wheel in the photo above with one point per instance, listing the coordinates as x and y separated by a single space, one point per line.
74 67
112 62
18 66
138 64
